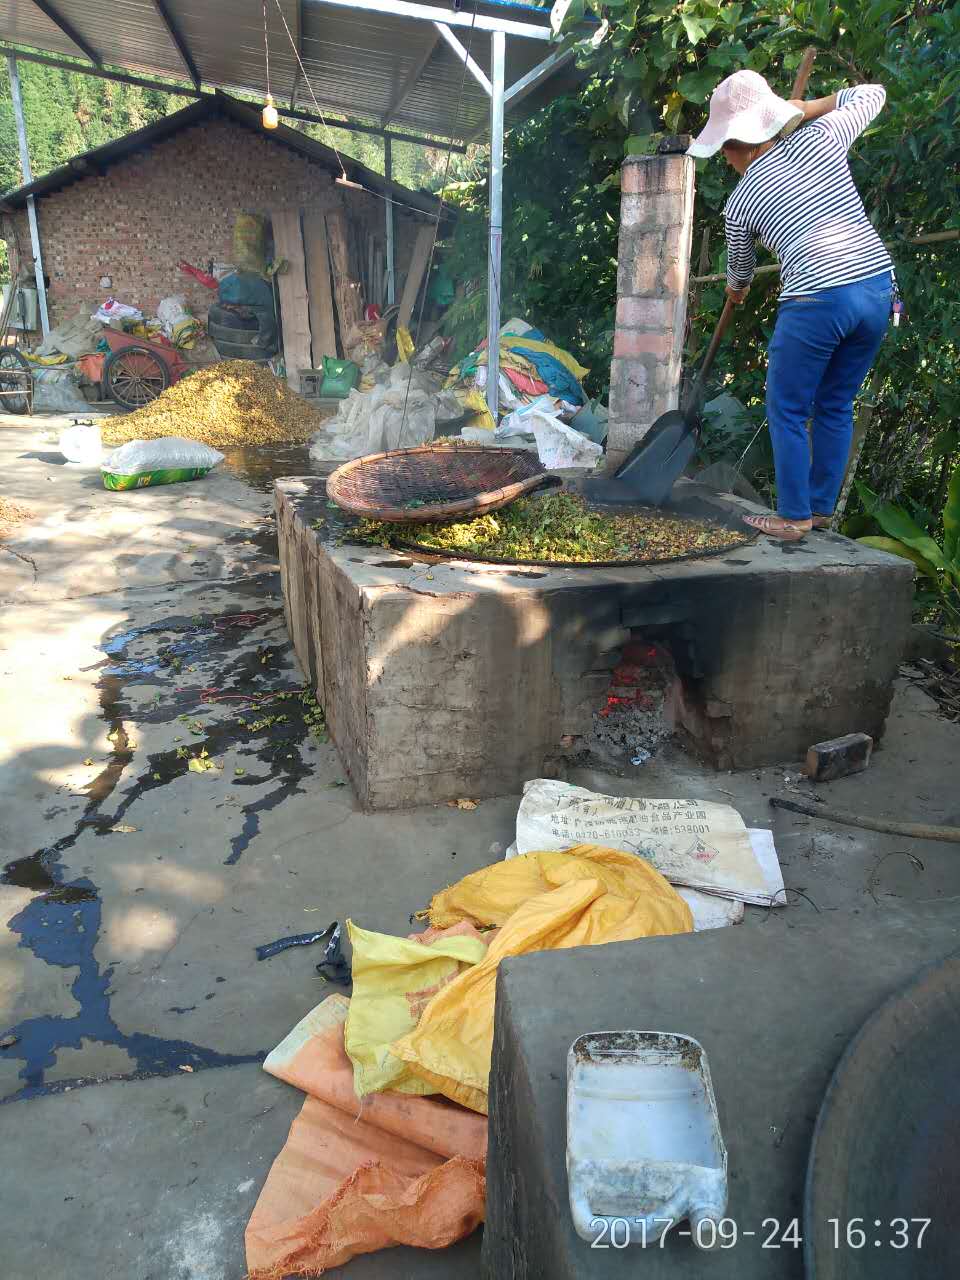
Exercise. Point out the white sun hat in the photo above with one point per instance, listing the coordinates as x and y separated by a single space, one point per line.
744 107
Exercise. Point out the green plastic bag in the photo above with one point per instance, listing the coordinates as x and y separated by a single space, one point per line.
166 475
339 378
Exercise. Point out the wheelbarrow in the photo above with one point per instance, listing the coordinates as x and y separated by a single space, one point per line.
138 369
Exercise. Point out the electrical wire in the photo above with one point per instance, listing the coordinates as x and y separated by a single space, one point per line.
436 229
437 217
266 46
306 80
397 203
400 204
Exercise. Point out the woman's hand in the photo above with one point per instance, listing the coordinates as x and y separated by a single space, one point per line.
816 107
737 296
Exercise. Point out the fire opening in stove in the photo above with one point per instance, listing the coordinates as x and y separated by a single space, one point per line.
638 713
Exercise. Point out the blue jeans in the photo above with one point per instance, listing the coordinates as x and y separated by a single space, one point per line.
822 348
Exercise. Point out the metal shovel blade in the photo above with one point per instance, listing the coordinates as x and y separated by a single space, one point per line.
654 464
647 475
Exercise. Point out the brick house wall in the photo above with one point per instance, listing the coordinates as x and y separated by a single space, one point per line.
177 200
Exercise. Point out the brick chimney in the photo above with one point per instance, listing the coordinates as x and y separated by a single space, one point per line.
656 225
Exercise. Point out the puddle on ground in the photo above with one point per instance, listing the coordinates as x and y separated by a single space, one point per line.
260 467
201 662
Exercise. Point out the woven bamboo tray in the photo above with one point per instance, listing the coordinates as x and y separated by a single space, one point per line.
435 482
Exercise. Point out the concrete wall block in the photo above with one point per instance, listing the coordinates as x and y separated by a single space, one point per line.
631 342
652 174
464 685
651 211
639 266
630 389
640 388
645 313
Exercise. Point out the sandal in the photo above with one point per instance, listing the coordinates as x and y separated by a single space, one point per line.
822 522
777 527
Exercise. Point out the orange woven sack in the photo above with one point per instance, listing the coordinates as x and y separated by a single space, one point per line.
356 1177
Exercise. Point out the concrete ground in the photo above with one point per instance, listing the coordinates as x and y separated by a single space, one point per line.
139 629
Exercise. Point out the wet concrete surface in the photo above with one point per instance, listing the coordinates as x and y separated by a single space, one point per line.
135 881
134 885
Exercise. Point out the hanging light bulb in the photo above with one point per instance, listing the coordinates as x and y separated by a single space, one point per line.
269 116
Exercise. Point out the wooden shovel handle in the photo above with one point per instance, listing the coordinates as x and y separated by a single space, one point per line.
803 72
726 316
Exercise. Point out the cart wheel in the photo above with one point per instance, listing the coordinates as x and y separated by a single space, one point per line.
133 376
16 382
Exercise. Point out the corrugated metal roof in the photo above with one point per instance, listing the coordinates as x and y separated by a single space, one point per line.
207 107
356 60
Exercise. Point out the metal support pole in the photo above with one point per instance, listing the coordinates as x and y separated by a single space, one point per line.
31 203
463 54
388 214
497 47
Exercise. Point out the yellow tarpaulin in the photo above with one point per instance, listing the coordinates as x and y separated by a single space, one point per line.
405 347
473 398
393 978
545 901
569 362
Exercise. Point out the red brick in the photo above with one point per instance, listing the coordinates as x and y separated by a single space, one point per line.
838 757
178 200
676 276
645 313
628 342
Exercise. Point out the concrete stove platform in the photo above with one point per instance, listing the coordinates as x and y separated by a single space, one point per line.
774 1006
450 678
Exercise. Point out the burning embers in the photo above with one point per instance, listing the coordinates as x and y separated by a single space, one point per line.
637 714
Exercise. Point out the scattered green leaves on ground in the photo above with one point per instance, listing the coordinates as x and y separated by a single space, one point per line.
201 762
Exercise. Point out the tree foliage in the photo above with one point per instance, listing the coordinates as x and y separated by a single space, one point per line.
66 113
649 69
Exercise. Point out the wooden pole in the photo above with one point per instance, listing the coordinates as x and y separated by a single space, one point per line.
860 429
703 266
912 830
391 289
346 290
418 266
323 332
929 237
292 285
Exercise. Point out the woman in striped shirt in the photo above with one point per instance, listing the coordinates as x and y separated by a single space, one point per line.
797 197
